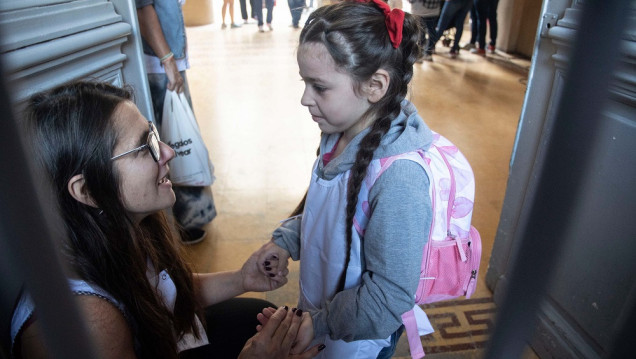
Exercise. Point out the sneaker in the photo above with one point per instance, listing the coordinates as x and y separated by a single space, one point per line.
453 53
192 235
468 46
480 52
234 26
223 26
260 29
270 27
491 49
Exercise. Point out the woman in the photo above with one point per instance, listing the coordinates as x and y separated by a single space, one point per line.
108 171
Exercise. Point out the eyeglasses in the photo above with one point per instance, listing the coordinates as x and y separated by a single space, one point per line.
152 143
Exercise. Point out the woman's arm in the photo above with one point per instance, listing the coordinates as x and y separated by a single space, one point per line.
105 323
213 288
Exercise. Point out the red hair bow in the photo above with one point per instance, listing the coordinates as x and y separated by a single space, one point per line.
394 21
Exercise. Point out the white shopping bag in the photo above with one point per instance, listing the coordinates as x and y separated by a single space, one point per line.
191 165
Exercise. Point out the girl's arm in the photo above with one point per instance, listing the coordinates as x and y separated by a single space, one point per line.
393 244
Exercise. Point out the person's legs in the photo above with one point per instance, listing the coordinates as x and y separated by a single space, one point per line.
223 11
232 11
430 23
474 24
270 12
460 18
296 9
229 325
243 6
482 15
445 17
259 13
492 21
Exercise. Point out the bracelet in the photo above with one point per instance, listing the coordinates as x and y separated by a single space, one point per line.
166 57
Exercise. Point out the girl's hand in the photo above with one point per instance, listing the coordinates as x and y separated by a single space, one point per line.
276 337
305 331
255 278
273 259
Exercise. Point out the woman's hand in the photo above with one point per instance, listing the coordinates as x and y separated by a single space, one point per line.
305 331
256 278
276 338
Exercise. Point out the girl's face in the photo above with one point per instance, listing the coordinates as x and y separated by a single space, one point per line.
143 183
329 94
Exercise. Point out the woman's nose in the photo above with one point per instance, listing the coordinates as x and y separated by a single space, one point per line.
167 153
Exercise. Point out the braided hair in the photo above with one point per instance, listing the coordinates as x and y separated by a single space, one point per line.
355 35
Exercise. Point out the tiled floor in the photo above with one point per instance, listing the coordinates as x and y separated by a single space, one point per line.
246 93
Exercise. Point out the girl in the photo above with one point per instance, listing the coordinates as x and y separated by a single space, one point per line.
356 60
108 171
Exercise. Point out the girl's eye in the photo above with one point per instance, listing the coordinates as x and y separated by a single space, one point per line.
319 88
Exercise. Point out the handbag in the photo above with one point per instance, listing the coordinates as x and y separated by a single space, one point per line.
191 165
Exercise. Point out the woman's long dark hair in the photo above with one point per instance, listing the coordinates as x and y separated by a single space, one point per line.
356 36
72 131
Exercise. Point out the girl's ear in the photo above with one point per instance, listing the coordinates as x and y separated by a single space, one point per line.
377 85
77 189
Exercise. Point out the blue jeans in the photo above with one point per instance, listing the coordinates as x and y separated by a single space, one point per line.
257 5
453 15
487 15
388 352
296 9
429 24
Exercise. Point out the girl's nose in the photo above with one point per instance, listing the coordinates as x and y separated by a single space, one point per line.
167 153
305 100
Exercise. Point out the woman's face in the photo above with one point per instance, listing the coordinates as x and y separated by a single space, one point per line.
144 187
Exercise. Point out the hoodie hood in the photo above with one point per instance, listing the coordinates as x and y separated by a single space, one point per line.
408 133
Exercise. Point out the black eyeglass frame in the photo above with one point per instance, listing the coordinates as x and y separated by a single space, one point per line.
152 142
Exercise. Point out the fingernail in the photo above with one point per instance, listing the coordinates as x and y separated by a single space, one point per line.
286 307
299 312
268 269
321 347
267 263
293 309
271 275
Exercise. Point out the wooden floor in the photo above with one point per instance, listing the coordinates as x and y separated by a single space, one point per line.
246 95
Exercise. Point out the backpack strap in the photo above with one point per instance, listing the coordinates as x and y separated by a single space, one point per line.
374 171
415 344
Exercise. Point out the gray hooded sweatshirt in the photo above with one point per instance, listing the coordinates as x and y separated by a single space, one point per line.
394 238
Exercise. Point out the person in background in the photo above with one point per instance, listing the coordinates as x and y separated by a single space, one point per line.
166 58
356 61
107 170
428 13
486 15
296 8
244 16
230 4
453 15
258 5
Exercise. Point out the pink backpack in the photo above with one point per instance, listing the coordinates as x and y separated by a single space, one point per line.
450 262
